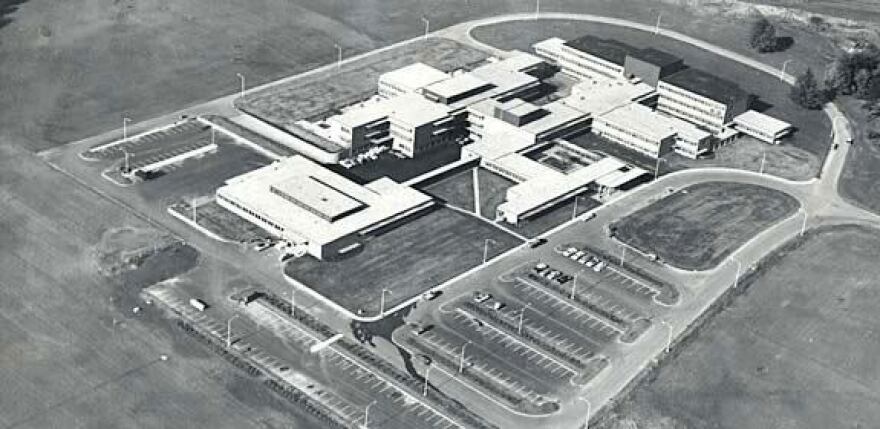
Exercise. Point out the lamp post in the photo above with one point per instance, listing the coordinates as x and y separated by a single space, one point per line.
537 8
804 224
427 26
522 313
657 166
229 331
622 253
657 27
241 79
587 418
126 155
461 357
574 210
782 71
338 56
668 336
763 160
427 371
292 302
486 248
125 121
367 415
738 270
574 284
382 301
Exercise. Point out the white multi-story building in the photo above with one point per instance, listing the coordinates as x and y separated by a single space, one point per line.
409 79
701 98
761 126
638 128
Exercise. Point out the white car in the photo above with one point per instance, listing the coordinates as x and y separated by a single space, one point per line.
568 252
577 255
599 266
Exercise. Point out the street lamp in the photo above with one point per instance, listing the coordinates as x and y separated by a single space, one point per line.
427 371
669 334
657 167
763 160
738 270
589 406
292 301
367 415
338 56
537 8
574 284
382 301
522 313
622 253
241 79
427 26
574 210
125 121
486 248
461 357
782 71
657 27
804 224
229 331
126 155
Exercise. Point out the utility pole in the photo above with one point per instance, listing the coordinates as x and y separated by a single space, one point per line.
782 72
382 302
763 159
229 331
669 335
213 136
241 78
574 285
127 166
738 269
427 26
338 56
292 302
193 205
486 248
461 357
367 415
522 313
425 389
125 121
537 9
622 253
657 27
574 210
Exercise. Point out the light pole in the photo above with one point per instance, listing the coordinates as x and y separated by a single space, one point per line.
461 357
782 71
622 253
574 210
763 160
537 8
657 167
229 331
425 389
427 26
738 270
367 415
193 204
574 284
338 56
382 301
522 313
126 155
292 302
486 248
241 79
125 121
589 406
804 224
668 336
657 27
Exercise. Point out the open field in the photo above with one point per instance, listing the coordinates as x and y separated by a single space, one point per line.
697 227
806 148
406 260
323 95
795 350
860 180
74 355
457 190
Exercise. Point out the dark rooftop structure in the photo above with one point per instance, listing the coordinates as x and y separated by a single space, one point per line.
707 85
656 57
607 49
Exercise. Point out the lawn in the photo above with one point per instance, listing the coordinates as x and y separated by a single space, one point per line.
407 260
797 350
457 190
697 229
860 180
805 149
325 93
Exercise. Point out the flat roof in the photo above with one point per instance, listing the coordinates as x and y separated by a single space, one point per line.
533 194
762 122
559 114
706 84
309 182
518 106
641 119
520 61
456 85
502 77
619 178
414 76
607 49
415 110
656 57
601 98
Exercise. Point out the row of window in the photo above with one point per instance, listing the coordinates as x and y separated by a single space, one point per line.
683 114
663 86
250 212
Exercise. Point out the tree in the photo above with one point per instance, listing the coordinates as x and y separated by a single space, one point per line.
806 91
763 36
864 83
839 77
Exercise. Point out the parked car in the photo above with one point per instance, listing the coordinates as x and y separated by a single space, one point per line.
262 245
577 255
198 304
431 294
537 242
421 329
481 297
539 267
563 279
589 216
568 252
599 266
497 305
590 262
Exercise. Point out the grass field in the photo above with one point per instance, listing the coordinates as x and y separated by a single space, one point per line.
696 230
407 260
860 180
797 350
72 353
457 190
805 150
